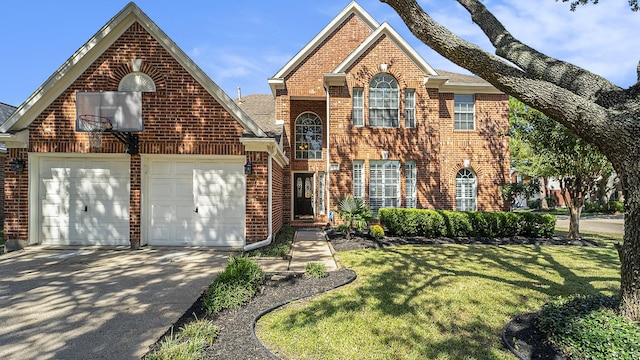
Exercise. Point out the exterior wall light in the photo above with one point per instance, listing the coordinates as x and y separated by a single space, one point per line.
248 168
17 165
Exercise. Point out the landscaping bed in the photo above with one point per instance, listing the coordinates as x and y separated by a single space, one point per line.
235 339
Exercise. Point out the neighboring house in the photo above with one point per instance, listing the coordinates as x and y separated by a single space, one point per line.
5 111
185 179
365 115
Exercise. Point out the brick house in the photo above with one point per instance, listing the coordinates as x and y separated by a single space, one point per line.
5 111
364 114
356 111
184 180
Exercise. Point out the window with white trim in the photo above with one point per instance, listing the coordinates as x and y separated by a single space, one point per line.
410 184
464 111
321 193
466 191
308 137
384 184
358 107
410 108
358 179
383 101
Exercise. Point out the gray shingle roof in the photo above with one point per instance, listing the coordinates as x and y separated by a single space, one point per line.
261 108
462 78
6 111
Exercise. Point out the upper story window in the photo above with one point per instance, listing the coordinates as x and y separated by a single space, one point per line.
464 110
410 108
383 101
358 107
308 137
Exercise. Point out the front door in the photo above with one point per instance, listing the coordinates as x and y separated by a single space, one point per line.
303 196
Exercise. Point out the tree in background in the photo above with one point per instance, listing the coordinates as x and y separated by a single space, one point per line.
594 108
556 152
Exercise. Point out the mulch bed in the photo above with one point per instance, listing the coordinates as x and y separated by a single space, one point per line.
236 340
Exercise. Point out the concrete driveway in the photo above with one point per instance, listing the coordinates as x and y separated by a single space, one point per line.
96 304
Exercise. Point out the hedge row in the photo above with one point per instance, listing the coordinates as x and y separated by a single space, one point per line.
435 223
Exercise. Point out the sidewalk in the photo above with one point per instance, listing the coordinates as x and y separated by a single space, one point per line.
309 245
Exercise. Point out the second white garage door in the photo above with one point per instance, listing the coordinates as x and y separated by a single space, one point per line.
196 203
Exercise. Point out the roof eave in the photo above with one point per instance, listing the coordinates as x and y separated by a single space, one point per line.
352 8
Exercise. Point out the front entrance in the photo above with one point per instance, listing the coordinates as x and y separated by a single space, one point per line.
303 195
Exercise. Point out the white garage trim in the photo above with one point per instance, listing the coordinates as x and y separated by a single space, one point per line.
112 225
193 200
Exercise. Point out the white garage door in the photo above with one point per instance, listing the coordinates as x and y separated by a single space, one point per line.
196 203
84 201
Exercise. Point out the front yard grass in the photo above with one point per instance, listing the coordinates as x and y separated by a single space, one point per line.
436 302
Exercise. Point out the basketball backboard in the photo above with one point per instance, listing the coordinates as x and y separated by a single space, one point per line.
122 108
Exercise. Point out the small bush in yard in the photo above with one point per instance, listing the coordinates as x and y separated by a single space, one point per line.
190 343
376 231
235 286
315 270
280 247
589 328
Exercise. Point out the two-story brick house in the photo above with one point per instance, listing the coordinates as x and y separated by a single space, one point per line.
366 115
356 111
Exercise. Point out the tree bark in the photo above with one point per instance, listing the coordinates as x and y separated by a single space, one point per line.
591 106
543 194
629 251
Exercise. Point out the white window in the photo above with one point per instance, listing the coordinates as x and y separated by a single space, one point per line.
321 193
410 186
358 179
410 108
308 137
464 110
383 101
384 184
358 107
466 192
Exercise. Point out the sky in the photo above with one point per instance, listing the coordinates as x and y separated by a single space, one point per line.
242 43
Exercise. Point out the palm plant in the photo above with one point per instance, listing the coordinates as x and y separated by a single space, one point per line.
354 212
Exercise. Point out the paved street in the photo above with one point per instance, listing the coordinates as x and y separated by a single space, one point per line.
606 224
96 304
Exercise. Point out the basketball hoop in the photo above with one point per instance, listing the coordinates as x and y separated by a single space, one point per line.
95 125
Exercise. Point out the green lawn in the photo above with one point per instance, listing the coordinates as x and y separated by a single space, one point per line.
435 302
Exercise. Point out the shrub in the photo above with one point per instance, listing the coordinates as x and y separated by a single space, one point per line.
235 286
280 247
190 343
551 202
534 204
457 223
376 231
434 223
615 206
315 270
354 212
589 328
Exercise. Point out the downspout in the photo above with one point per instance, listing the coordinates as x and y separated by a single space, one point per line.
327 204
269 238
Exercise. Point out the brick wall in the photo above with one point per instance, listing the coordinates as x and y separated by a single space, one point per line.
438 150
181 117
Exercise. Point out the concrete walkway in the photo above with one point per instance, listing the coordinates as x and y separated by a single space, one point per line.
613 224
309 245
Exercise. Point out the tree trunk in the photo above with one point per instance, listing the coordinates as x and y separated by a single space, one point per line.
543 194
575 209
629 251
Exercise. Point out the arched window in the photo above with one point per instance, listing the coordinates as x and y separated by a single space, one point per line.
308 137
383 101
466 191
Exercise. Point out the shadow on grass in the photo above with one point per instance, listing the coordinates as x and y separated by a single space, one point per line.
463 294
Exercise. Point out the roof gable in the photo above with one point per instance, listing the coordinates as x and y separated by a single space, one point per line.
401 43
96 46
353 8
